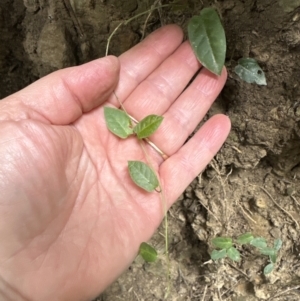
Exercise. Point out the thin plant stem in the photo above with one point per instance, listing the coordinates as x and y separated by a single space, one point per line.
161 191
165 212
164 202
121 105
148 17
164 156
129 20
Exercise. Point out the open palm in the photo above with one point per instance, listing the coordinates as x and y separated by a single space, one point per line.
71 220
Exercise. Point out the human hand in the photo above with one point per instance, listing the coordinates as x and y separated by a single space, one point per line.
71 219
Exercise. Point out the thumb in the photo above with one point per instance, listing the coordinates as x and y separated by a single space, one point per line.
63 96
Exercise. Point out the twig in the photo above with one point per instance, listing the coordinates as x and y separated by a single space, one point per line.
230 289
295 200
246 214
286 212
129 20
138 298
240 271
210 212
284 292
227 176
216 168
236 149
204 293
73 16
219 295
147 19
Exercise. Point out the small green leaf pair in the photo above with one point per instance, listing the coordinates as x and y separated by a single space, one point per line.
271 252
119 123
227 249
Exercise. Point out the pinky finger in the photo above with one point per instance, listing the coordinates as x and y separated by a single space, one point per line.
181 168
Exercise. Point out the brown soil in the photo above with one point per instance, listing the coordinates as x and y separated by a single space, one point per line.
251 186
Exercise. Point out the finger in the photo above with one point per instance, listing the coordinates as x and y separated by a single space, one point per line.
138 62
189 109
158 91
63 96
180 169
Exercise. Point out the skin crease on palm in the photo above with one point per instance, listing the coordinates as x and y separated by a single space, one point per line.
71 218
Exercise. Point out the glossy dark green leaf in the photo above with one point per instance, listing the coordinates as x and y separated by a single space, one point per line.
218 254
147 126
222 242
142 175
118 122
277 244
245 238
207 37
234 254
249 71
147 252
268 268
258 242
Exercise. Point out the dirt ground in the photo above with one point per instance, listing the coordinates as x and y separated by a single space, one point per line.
250 186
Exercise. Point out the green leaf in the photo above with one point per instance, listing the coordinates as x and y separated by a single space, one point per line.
268 251
218 254
207 37
258 242
222 242
142 175
245 238
148 126
148 253
277 244
268 268
249 71
118 122
234 254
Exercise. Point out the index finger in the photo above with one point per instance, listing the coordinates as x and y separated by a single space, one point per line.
141 60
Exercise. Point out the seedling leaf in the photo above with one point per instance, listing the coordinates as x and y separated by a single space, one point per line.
147 126
207 37
245 238
218 254
277 244
259 242
268 268
142 175
222 242
268 251
118 122
234 254
249 71
148 253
